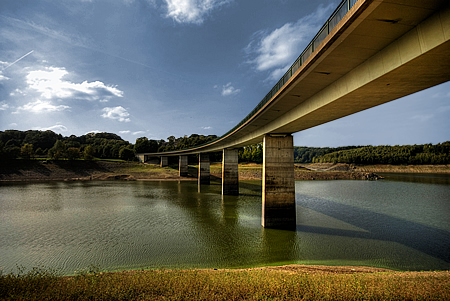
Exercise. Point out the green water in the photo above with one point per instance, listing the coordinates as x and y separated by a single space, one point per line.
396 223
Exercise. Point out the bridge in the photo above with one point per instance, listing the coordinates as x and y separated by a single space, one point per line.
368 52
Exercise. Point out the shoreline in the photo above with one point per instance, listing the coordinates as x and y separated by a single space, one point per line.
38 171
295 269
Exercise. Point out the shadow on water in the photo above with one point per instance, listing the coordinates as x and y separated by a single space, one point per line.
429 240
250 188
424 178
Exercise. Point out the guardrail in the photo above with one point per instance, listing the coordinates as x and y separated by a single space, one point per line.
337 16
325 30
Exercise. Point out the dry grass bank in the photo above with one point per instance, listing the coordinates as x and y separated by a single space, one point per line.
275 283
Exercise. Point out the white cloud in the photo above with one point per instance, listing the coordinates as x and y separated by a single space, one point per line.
275 51
206 127
40 106
116 113
228 90
192 11
124 132
16 92
2 77
56 128
49 83
138 133
3 66
3 106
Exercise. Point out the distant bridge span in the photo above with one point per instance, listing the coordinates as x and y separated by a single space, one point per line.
369 52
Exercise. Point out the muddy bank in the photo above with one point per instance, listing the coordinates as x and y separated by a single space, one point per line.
34 170
67 171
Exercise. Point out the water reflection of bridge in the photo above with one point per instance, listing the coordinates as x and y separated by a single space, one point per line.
369 52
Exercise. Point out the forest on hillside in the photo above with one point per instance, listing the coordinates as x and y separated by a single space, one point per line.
34 144
385 154
303 154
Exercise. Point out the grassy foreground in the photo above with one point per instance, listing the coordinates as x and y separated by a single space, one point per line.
252 284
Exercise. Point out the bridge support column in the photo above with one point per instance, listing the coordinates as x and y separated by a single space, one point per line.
183 166
203 169
278 184
164 161
230 175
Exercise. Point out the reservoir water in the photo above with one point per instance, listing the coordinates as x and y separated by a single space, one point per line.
402 223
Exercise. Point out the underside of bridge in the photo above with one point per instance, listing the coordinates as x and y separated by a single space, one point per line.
381 50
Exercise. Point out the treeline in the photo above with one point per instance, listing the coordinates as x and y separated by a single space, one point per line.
47 144
385 154
145 145
303 154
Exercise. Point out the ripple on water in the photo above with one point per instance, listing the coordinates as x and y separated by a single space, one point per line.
112 225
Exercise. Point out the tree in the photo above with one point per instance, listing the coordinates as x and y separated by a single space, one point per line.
127 153
171 140
73 153
88 153
57 151
252 153
144 145
26 151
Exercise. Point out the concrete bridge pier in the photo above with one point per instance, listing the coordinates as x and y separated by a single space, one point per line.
278 184
164 161
204 174
183 166
230 175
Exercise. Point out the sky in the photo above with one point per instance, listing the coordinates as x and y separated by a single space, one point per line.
160 68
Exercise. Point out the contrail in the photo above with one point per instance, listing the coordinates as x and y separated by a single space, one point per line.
18 60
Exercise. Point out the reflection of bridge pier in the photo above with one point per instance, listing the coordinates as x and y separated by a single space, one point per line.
230 172
204 174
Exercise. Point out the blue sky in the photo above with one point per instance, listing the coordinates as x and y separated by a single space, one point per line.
156 68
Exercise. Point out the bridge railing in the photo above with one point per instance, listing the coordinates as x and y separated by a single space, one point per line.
337 16
325 30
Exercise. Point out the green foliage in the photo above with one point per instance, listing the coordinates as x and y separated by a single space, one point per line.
251 153
58 151
88 153
28 144
127 153
304 154
26 151
39 139
47 143
385 154
184 142
143 145
73 153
